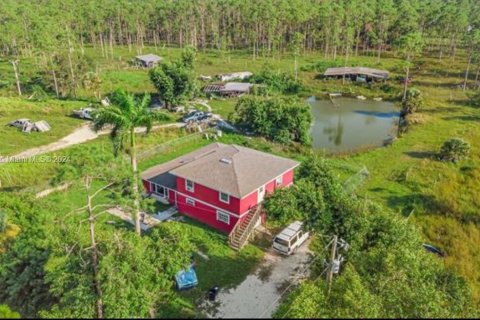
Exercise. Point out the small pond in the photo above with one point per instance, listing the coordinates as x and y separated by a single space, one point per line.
348 124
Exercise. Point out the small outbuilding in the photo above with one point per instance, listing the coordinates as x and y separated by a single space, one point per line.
234 76
230 89
359 74
148 60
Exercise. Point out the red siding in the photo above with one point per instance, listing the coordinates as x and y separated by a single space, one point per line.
287 178
270 187
209 196
147 186
248 201
171 196
205 214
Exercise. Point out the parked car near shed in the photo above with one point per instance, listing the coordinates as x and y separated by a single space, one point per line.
84 113
193 116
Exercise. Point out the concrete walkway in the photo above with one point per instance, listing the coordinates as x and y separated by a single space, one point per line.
258 295
148 222
166 214
83 134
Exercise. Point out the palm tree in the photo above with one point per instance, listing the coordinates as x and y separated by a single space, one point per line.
125 114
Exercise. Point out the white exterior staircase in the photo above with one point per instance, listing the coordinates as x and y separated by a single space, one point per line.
244 230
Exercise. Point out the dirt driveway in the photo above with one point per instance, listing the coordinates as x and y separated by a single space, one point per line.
80 135
258 295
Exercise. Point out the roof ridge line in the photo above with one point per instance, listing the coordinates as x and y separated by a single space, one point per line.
235 169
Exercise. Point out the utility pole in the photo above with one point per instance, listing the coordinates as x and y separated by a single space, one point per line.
332 259
17 78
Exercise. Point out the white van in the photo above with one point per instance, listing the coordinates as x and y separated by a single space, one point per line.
292 237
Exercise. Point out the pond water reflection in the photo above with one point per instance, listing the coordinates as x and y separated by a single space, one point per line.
347 124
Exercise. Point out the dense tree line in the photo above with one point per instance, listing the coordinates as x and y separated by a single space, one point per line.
263 26
55 33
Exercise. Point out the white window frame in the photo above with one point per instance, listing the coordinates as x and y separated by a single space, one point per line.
279 181
155 186
225 194
192 188
225 214
190 202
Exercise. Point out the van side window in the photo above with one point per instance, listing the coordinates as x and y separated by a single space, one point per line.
300 234
294 239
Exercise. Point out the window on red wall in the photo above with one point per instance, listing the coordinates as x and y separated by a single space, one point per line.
190 202
223 216
278 181
189 185
224 197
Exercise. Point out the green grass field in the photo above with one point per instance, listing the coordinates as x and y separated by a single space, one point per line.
55 112
442 199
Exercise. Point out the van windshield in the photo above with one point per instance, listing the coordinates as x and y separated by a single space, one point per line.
282 242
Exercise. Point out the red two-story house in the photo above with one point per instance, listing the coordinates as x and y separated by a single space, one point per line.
218 184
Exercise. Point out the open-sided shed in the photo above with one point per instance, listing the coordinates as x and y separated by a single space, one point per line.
361 74
148 60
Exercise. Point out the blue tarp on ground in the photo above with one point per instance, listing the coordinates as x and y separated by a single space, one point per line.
186 279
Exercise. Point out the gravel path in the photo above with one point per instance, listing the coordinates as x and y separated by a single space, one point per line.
258 295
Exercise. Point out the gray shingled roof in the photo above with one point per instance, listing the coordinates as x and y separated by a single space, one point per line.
149 58
163 168
233 169
356 70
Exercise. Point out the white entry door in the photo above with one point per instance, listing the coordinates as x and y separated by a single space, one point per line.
261 194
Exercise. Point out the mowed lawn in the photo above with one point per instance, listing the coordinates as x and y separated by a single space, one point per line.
55 112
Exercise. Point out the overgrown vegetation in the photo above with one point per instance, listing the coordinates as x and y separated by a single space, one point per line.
281 119
277 81
386 272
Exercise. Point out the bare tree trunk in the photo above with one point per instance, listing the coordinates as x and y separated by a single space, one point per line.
379 52
296 68
70 62
357 40
466 73
91 222
111 41
17 78
101 45
55 82
136 193
155 39
82 47
405 87
54 74
345 64
476 77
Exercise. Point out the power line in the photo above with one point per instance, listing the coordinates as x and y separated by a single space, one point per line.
332 261
331 266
